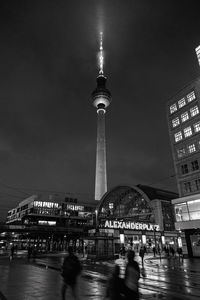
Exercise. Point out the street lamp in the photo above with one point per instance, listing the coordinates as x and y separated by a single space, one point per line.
96 225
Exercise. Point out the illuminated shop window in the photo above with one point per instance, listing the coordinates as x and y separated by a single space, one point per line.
194 209
191 96
180 152
197 127
181 102
191 148
195 165
184 116
175 122
173 108
194 111
181 212
187 131
187 187
178 136
184 169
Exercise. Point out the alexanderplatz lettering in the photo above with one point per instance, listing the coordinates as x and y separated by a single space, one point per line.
131 225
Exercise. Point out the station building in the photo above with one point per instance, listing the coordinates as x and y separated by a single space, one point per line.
131 216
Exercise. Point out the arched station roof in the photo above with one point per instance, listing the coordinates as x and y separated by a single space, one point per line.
126 202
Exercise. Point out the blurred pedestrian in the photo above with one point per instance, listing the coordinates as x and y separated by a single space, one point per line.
12 250
29 252
132 275
180 253
141 254
172 251
71 269
115 288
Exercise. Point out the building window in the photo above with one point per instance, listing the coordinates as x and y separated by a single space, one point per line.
181 102
191 148
191 96
194 111
187 131
187 187
178 136
180 152
197 127
184 116
175 122
184 169
197 184
173 108
195 165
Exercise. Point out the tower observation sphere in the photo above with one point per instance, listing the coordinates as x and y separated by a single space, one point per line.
101 98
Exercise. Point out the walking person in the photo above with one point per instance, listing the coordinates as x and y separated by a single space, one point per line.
71 269
132 275
12 250
115 288
141 254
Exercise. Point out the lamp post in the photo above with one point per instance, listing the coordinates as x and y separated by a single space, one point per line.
96 221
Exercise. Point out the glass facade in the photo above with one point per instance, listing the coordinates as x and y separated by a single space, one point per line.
126 202
187 211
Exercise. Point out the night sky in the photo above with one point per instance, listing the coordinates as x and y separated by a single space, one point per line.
48 69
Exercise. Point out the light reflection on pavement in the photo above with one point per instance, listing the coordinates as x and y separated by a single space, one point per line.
168 279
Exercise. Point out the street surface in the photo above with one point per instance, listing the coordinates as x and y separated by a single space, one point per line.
167 279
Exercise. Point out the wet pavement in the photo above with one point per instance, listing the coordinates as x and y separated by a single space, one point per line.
167 279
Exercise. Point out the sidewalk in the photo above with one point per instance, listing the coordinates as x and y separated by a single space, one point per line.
23 281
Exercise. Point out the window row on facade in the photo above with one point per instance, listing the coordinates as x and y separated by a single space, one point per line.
182 102
185 116
188 149
187 132
191 186
190 167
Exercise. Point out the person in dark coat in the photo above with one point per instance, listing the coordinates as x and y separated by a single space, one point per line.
70 271
141 254
132 275
115 288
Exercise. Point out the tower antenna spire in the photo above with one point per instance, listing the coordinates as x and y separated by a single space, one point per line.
101 57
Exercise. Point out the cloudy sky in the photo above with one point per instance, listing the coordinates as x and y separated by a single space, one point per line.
48 59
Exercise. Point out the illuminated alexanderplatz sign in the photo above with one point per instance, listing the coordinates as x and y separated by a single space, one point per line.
131 225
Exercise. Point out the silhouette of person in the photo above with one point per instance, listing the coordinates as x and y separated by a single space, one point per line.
71 268
12 250
141 254
115 287
132 275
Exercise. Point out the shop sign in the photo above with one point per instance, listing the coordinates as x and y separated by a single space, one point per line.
74 207
45 204
131 225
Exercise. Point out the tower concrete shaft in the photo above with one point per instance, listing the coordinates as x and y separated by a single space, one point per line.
101 97
101 171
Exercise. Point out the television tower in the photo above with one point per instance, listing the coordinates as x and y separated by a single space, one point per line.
101 99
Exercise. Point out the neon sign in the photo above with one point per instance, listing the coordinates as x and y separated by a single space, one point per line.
131 225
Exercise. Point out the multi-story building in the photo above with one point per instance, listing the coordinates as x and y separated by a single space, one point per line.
51 222
183 112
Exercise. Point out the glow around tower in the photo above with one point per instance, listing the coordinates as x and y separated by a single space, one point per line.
101 98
